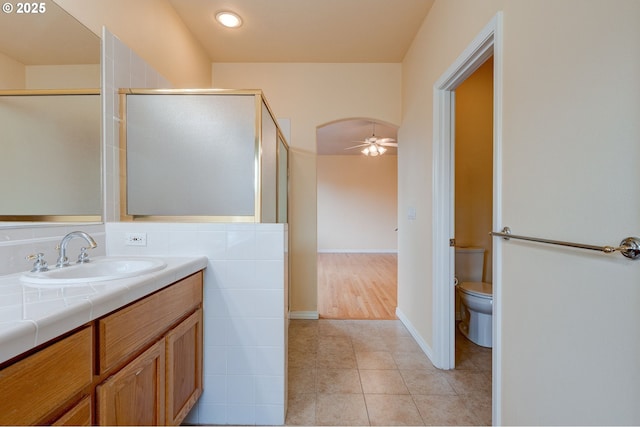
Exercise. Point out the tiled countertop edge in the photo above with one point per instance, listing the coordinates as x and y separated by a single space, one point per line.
27 331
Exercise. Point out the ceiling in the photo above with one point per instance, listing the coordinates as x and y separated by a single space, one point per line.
327 31
306 30
321 31
324 31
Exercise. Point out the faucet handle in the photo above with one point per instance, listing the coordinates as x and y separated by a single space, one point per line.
83 257
40 264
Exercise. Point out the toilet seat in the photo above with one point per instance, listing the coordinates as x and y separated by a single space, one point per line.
477 289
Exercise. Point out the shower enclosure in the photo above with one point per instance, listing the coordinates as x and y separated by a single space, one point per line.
201 155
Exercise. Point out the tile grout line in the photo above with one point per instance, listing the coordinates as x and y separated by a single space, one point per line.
364 398
315 379
424 423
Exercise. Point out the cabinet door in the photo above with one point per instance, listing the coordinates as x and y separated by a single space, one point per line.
135 394
184 368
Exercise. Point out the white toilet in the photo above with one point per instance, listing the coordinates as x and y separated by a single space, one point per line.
476 297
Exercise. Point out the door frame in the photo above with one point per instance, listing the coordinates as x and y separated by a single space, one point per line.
487 43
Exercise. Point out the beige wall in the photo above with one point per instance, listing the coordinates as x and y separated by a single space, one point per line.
12 73
447 30
570 144
311 95
63 76
357 203
152 29
474 163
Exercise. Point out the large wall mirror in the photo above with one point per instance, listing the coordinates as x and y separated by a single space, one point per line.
50 111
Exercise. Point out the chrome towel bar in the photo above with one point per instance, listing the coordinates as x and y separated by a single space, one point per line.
629 247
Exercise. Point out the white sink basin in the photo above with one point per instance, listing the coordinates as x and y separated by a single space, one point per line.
98 270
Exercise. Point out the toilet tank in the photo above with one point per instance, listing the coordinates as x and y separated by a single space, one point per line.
469 264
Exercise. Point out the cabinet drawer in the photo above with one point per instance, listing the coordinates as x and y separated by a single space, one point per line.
79 415
37 385
123 333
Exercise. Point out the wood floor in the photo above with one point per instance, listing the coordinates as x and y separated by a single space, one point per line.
357 286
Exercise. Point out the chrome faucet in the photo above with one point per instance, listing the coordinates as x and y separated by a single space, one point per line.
63 261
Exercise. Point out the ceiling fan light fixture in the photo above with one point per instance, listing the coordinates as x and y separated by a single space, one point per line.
229 19
374 146
374 150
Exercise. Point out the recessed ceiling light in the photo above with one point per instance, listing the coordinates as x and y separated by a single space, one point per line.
229 19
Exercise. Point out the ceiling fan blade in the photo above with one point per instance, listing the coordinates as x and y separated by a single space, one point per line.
358 146
382 140
388 144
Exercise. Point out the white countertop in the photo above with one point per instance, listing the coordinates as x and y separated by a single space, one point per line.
31 315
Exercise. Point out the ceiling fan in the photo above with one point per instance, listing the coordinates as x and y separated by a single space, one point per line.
374 146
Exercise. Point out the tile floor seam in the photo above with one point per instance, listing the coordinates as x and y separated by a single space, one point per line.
315 380
424 422
366 406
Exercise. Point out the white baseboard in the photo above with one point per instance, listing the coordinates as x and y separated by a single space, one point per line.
308 315
414 333
357 251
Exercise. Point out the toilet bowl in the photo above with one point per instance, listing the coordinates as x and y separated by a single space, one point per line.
477 302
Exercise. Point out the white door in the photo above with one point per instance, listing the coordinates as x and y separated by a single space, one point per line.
571 147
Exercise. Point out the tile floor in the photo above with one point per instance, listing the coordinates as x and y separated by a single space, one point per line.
372 372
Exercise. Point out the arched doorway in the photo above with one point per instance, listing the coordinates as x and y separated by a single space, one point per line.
357 220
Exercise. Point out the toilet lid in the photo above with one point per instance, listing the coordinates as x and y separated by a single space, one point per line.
480 289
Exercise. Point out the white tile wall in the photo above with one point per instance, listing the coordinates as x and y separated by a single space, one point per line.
244 313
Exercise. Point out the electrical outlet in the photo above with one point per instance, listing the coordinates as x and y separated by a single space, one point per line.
135 239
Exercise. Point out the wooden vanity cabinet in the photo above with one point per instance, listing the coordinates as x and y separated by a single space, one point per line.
139 365
150 356
122 333
49 384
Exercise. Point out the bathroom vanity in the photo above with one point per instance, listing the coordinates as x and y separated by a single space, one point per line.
116 352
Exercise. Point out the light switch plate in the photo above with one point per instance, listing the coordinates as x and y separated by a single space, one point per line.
411 213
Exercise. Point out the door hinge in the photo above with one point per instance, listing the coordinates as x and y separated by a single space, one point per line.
452 243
